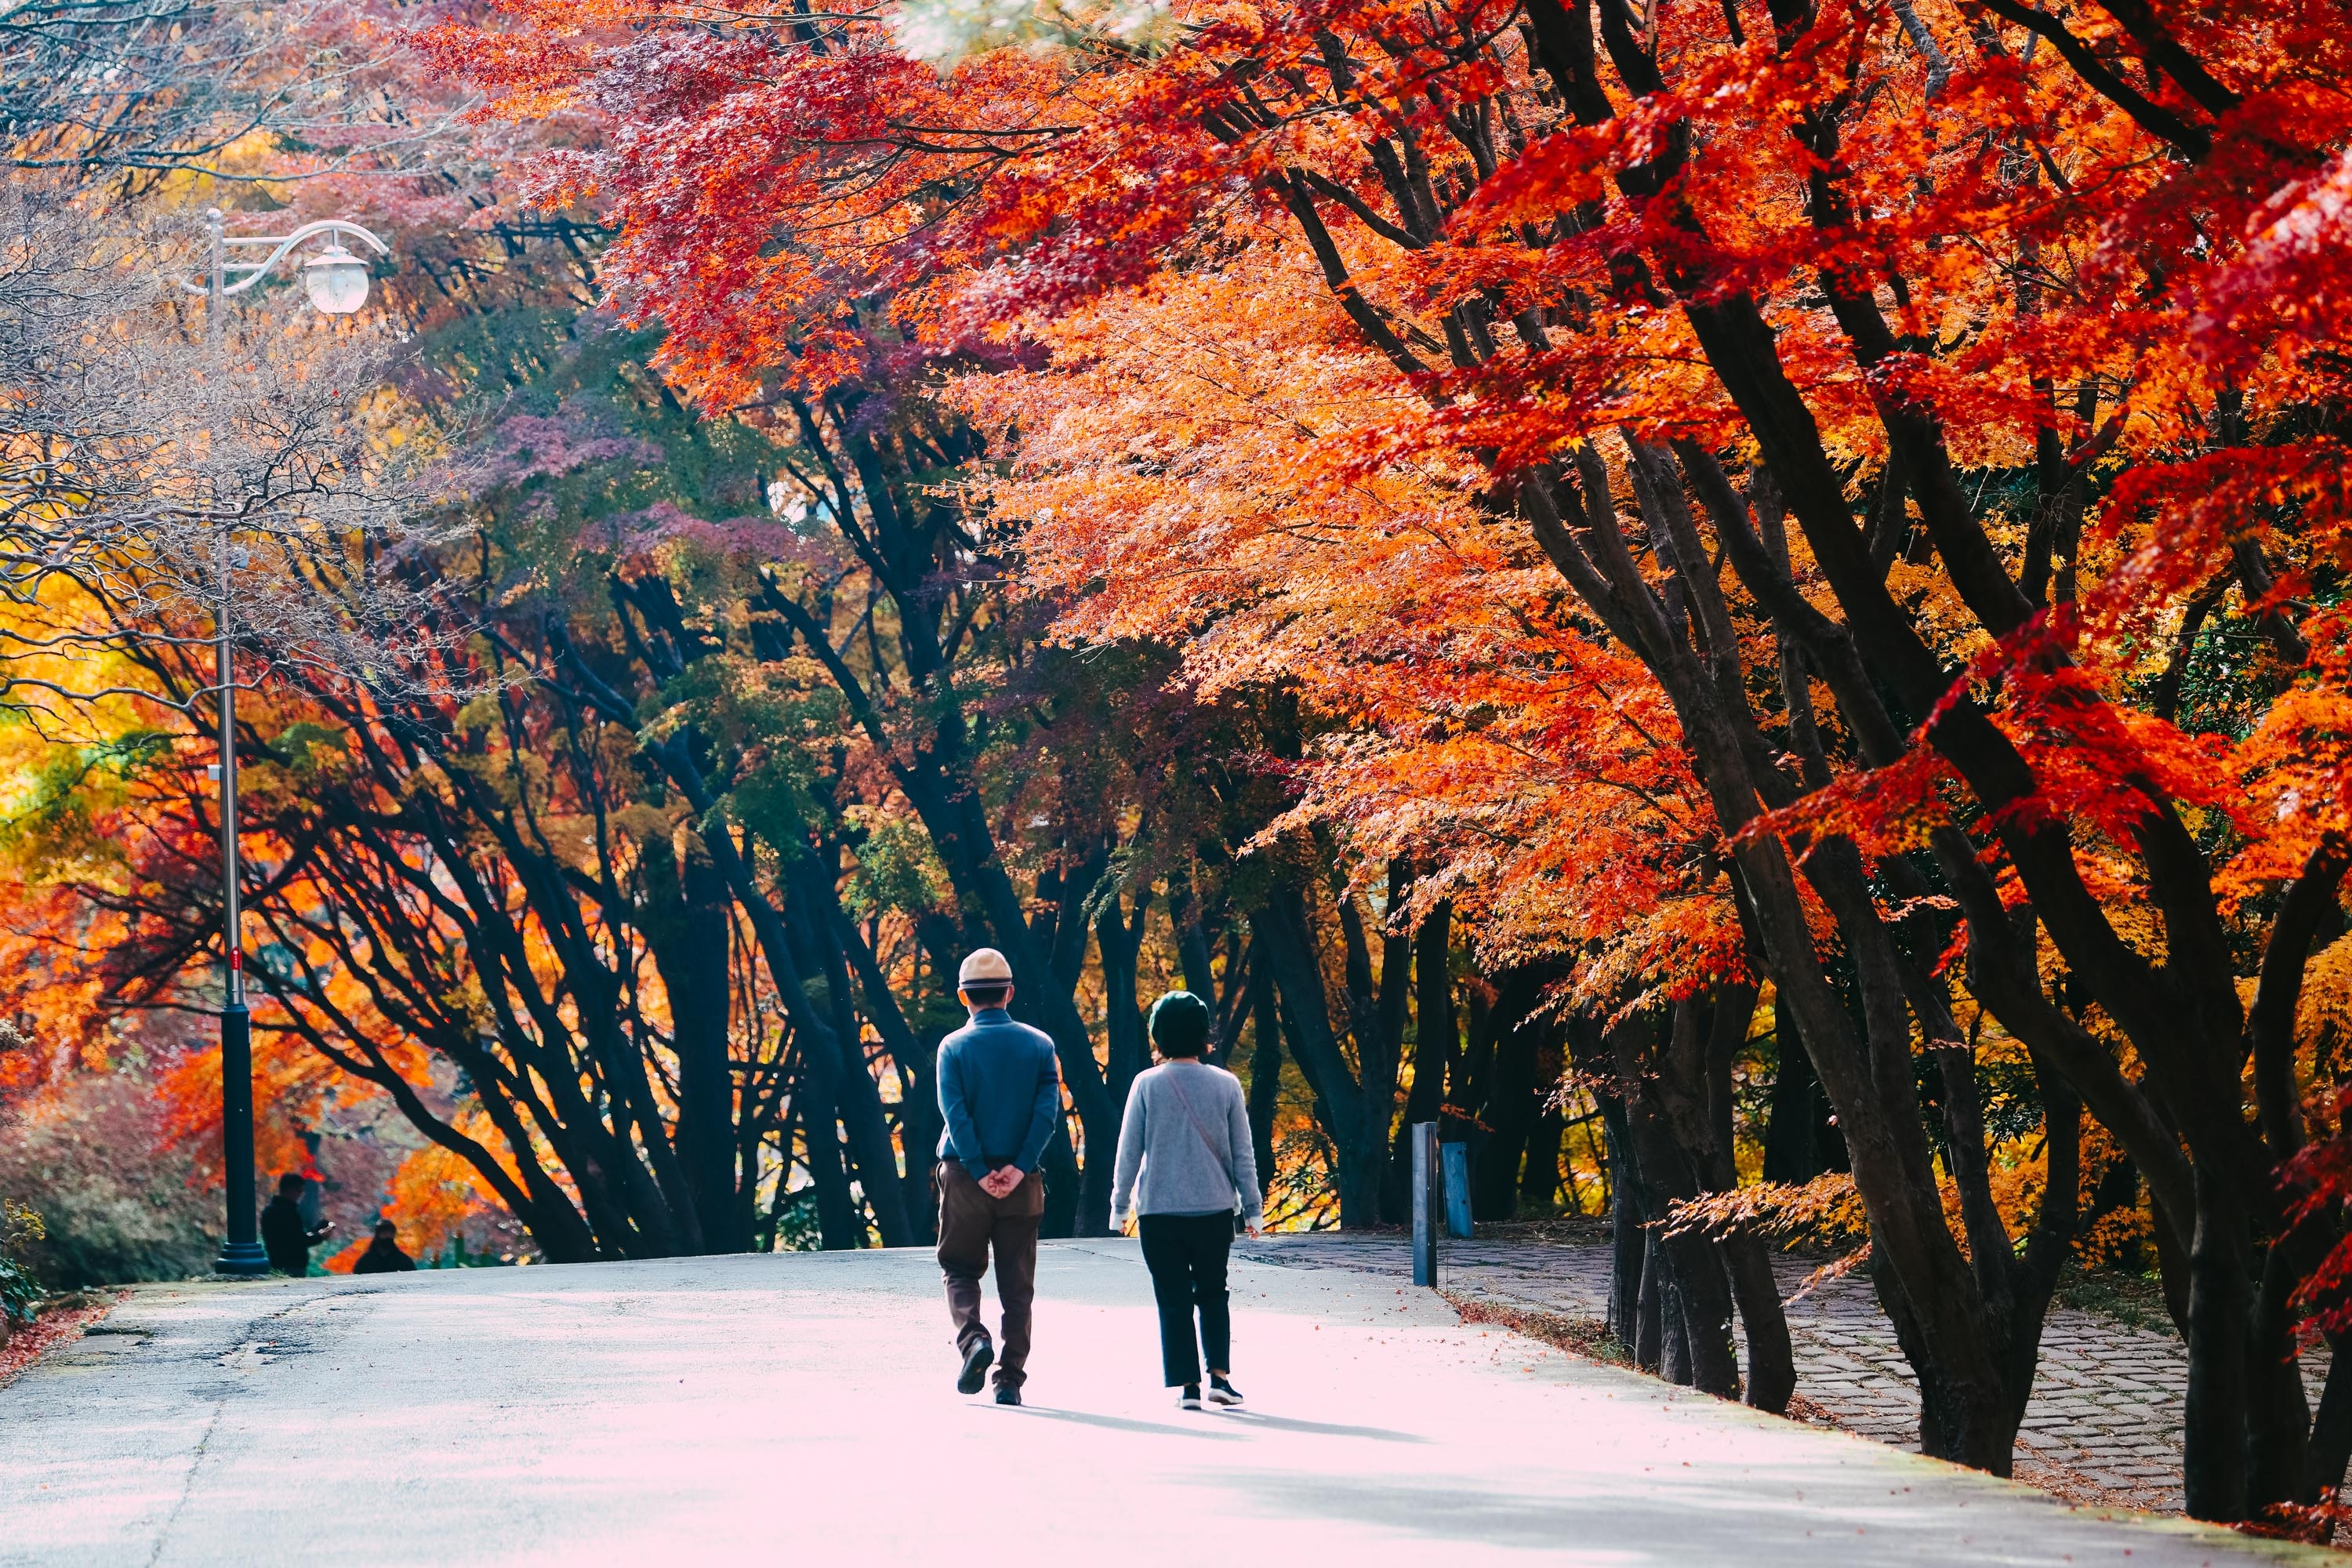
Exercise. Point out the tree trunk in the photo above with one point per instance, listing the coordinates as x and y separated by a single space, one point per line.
2278 1412
1697 1303
1466 1091
2213 1473
839 1225
1649 1322
706 1079
1378 1011
1265 1073
1746 1261
916 1064
1285 937
1509 1112
1118 943
1628 1241
1790 1154
2330 1448
859 1099
1432 1048
684 924
1437 1035
1540 1176
1068 1190
1675 1363
1772 1357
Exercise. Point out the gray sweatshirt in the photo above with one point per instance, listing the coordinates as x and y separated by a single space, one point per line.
1187 1136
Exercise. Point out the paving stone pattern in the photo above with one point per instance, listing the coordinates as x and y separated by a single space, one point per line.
2104 1425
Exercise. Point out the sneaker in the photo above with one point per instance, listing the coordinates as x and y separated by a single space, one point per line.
975 1366
1222 1392
1007 1394
1191 1398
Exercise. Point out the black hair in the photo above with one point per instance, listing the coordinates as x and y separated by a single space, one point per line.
1180 1024
292 1183
987 992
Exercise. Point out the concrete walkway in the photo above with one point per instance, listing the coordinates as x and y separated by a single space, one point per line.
2105 1423
798 1409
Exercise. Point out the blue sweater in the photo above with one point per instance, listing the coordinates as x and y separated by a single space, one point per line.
1000 1090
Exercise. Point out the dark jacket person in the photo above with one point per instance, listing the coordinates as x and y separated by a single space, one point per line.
283 1234
999 1094
384 1255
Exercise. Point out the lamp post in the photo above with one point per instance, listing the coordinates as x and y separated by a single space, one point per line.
337 283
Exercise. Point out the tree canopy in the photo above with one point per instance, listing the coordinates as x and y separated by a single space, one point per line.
1760 581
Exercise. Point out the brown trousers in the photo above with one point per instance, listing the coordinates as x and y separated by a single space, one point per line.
971 1225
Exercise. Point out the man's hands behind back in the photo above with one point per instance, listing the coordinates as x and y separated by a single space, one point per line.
1000 1183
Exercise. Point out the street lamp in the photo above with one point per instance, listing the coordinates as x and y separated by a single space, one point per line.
337 282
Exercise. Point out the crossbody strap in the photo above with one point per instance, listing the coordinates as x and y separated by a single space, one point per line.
1224 1158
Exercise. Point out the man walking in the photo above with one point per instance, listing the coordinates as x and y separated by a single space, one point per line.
1000 1092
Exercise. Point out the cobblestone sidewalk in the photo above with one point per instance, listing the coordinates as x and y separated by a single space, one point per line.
2104 1425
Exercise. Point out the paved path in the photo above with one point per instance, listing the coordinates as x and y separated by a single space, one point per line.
797 1409
2105 1420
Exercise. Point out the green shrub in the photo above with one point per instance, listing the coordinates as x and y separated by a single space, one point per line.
20 1289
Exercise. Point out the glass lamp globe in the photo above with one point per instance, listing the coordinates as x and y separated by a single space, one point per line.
337 280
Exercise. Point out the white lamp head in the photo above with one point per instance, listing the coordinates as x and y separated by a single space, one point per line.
337 280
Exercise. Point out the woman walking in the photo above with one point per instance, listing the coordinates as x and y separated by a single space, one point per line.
1186 1170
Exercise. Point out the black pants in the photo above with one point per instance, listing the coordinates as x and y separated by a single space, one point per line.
1186 1254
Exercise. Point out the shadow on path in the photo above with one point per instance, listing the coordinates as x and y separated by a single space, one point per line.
1119 1423
1319 1428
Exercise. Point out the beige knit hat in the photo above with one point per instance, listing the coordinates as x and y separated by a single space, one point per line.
986 967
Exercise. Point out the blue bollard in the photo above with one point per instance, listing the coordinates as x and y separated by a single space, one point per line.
1428 1215
1458 1188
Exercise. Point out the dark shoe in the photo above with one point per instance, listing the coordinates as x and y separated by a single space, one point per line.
1222 1392
1191 1398
975 1366
1007 1394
